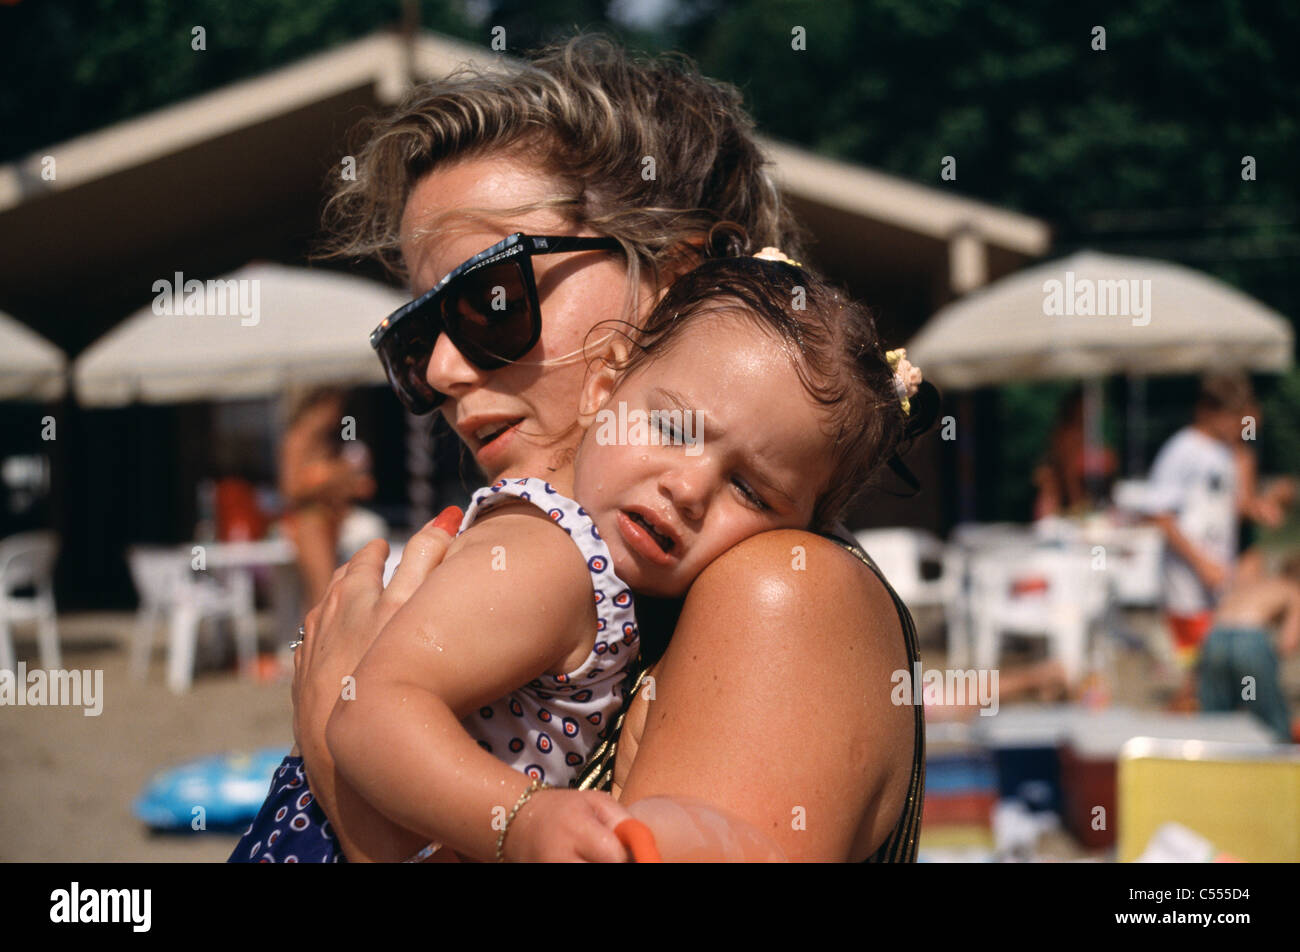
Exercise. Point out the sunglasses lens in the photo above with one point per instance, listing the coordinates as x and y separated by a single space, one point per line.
405 353
489 314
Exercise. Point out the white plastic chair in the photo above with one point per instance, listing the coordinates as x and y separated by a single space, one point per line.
900 553
1074 595
1134 496
1133 557
27 559
170 588
968 541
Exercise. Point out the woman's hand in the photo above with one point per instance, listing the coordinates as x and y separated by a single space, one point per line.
340 629
567 826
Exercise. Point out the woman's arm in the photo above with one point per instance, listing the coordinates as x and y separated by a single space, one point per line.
479 627
339 631
773 699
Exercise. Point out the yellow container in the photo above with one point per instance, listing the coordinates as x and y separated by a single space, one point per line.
1243 798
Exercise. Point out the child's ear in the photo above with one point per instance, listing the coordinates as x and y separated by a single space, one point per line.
596 389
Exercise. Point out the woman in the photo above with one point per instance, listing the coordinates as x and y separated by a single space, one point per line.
772 700
321 476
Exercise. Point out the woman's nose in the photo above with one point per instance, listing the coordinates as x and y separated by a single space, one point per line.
448 371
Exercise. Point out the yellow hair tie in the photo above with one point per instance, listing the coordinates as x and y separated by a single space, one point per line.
907 377
776 254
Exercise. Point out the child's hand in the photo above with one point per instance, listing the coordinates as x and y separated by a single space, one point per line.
566 826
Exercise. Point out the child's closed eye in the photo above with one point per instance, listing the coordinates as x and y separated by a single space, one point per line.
748 493
669 431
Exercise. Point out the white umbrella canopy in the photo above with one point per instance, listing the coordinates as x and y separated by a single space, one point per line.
1090 315
261 329
31 368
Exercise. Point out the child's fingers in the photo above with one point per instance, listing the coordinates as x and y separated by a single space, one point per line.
602 846
608 810
608 846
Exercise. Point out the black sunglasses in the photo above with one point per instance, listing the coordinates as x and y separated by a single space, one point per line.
487 306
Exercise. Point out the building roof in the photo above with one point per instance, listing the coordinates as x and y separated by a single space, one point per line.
207 184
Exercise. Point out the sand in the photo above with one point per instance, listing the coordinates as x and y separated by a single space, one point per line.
67 781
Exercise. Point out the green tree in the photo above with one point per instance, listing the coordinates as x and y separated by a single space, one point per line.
77 66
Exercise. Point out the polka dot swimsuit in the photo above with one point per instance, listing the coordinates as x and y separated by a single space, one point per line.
548 727
545 729
291 827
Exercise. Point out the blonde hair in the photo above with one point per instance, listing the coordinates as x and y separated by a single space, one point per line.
590 116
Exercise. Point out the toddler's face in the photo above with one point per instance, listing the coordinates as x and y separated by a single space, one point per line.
712 441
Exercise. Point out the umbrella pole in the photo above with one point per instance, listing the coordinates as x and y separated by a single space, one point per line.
1137 407
966 458
419 470
1093 449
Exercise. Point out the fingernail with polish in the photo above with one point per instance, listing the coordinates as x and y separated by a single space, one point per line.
449 520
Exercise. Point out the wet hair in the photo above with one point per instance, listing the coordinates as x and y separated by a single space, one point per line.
588 115
833 345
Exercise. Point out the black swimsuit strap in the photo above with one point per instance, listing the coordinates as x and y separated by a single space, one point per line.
900 845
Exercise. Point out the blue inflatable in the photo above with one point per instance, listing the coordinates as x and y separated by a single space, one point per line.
216 792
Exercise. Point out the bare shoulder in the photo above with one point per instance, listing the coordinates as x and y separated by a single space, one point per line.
785 649
796 577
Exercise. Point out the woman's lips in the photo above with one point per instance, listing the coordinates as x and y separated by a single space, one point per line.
641 541
496 446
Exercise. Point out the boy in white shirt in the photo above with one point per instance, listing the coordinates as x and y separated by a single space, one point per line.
1194 499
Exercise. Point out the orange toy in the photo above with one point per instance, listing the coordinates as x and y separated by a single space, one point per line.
684 830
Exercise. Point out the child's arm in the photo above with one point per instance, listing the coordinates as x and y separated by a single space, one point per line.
510 602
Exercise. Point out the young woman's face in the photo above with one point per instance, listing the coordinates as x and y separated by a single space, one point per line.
537 405
760 458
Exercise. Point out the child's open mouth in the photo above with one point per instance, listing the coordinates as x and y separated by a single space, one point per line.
664 542
645 540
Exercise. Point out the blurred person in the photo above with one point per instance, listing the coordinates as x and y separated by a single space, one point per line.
1195 502
321 476
1062 477
1265 507
1240 646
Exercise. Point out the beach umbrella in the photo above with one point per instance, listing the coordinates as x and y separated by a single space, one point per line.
1091 315
31 368
253 333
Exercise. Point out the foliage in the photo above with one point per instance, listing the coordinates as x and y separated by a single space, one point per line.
1134 149
77 66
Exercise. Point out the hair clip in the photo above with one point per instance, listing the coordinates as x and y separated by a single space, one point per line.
907 376
776 254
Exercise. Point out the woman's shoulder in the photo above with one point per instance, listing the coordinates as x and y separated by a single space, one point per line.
794 563
794 592
790 614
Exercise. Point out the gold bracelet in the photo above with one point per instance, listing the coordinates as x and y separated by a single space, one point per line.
519 805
